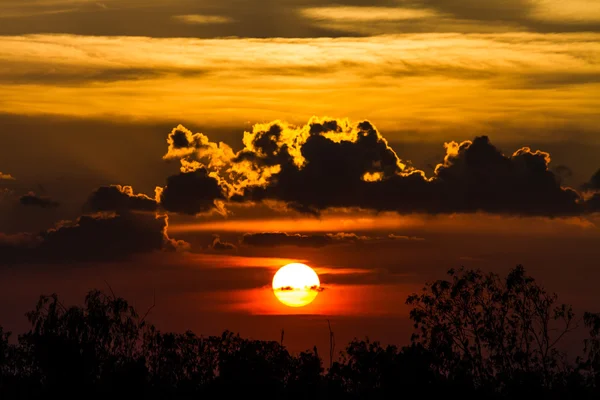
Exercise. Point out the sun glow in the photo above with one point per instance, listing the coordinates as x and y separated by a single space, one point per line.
296 285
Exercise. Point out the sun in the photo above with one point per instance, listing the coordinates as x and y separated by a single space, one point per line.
296 285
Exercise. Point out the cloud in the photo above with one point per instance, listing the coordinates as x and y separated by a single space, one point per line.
183 142
444 75
203 19
32 199
164 18
592 188
566 12
402 237
562 172
329 164
276 239
98 237
594 182
477 176
31 12
120 198
313 288
375 21
367 14
61 77
192 192
219 245
6 177
593 203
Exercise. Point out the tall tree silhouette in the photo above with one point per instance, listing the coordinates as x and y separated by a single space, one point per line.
497 333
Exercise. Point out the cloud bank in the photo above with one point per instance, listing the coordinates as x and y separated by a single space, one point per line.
32 199
429 84
325 165
332 164
99 237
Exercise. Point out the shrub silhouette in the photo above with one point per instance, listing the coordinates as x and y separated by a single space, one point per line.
477 336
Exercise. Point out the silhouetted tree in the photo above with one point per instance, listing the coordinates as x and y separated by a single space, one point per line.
4 356
368 370
305 380
179 363
252 365
81 349
499 334
589 363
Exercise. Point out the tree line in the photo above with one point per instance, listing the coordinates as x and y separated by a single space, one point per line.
479 336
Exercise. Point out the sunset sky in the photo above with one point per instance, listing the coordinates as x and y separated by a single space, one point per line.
185 150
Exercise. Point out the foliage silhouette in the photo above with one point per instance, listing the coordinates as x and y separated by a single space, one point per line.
477 336
483 329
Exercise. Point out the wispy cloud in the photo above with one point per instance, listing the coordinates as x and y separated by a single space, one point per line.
418 82
275 239
37 8
393 20
367 222
572 11
367 14
202 19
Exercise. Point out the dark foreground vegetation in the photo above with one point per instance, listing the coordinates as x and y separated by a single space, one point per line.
477 336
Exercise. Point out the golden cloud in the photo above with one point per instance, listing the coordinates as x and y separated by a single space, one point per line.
202 19
425 83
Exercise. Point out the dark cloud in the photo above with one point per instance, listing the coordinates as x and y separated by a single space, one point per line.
562 173
316 288
593 203
219 245
191 192
335 164
594 182
285 289
178 139
330 165
34 200
476 176
403 237
257 18
119 198
313 288
99 237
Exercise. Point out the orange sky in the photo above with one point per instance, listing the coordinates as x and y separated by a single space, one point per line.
311 131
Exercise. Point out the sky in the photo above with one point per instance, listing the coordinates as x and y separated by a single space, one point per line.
180 152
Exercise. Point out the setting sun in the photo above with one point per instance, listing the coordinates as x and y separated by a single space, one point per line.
296 285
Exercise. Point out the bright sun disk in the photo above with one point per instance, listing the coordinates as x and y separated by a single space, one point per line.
296 285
